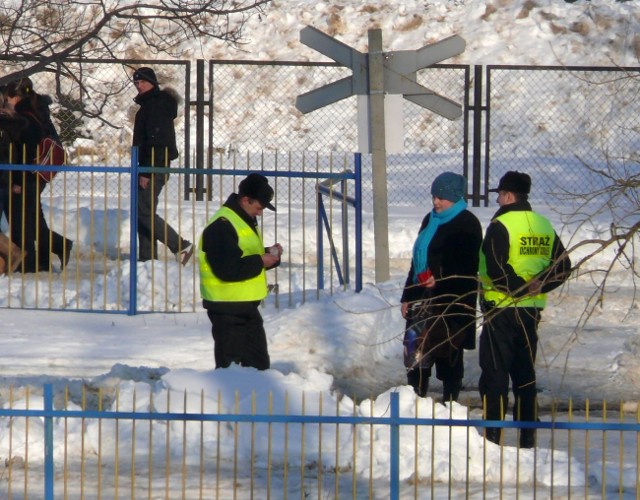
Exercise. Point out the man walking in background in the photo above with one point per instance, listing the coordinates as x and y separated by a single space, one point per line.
155 137
521 260
233 280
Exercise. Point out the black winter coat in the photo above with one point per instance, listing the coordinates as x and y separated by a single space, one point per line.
27 143
11 127
452 256
153 130
43 102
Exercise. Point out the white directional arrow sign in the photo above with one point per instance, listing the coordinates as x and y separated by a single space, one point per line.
399 73
341 53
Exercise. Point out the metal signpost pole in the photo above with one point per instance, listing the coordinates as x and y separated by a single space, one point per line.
378 155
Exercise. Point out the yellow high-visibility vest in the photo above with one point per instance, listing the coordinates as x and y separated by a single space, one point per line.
213 288
531 239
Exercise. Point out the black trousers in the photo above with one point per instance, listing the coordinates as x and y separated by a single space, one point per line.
50 241
153 228
449 370
29 225
22 210
508 346
239 337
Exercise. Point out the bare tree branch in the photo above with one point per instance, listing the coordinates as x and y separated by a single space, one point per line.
39 34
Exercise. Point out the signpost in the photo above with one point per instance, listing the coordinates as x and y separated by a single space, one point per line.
374 75
399 70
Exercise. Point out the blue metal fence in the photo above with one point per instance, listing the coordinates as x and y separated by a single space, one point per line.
86 182
392 420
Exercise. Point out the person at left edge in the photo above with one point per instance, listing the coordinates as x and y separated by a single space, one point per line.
233 281
154 135
11 125
28 225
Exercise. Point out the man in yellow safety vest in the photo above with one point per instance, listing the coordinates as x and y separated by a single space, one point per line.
521 260
233 264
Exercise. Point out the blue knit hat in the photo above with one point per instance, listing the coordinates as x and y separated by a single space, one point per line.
449 186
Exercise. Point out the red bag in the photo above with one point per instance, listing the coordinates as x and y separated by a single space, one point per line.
50 152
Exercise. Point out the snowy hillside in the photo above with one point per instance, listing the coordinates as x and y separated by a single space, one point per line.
537 32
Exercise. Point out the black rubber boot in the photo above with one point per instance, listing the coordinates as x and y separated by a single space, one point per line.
419 381
527 438
493 434
451 390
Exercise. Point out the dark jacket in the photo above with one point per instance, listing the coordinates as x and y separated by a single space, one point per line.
153 130
44 113
496 250
452 256
11 127
31 134
220 244
27 143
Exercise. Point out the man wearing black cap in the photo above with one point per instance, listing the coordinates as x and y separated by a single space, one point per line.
233 282
521 260
155 137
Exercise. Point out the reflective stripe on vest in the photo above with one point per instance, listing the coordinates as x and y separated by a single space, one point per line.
214 289
531 239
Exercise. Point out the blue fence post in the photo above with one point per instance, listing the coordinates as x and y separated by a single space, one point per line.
358 209
320 243
394 431
133 235
48 442
345 230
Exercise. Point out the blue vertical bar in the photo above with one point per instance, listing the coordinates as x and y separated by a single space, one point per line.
48 442
394 429
320 243
358 208
133 236
345 229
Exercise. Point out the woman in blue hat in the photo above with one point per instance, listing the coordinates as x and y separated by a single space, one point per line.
440 293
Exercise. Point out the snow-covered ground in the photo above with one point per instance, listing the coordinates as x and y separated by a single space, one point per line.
347 347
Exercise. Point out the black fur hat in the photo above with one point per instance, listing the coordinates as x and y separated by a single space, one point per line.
256 186
514 182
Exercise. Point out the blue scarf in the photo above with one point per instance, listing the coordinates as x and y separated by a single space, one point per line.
421 245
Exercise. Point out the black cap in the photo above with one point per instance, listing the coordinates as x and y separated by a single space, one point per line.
146 74
256 186
514 182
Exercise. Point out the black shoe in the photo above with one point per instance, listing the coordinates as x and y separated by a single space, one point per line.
493 434
527 438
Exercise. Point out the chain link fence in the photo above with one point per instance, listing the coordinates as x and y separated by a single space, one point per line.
254 110
93 109
578 129
567 125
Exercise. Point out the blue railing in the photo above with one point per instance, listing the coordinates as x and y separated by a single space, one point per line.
333 179
327 188
393 421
